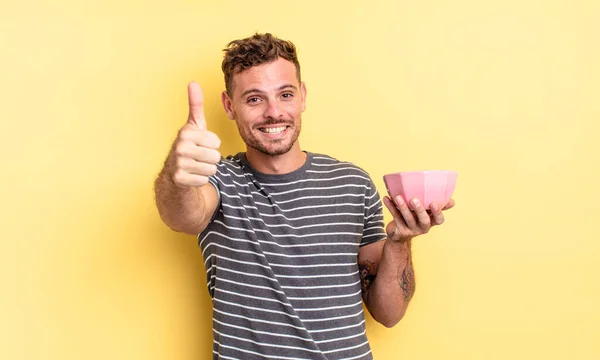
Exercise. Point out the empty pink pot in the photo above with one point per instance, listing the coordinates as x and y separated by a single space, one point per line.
428 186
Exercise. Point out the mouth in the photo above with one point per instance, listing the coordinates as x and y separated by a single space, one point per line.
273 130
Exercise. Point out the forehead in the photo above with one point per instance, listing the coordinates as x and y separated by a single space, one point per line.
266 77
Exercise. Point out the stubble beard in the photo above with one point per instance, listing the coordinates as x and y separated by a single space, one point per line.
279 149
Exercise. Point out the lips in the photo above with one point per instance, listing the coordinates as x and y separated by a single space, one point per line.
273 129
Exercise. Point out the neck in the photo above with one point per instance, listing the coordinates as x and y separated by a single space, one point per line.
276 164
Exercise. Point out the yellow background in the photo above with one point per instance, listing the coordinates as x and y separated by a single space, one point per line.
507 93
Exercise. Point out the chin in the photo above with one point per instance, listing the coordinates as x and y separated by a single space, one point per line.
272 149
275 151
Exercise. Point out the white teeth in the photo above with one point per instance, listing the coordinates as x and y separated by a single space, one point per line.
276 130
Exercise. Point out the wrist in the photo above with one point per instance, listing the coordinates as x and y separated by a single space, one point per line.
403 245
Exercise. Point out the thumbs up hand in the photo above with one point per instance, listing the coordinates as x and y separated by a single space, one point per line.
195 153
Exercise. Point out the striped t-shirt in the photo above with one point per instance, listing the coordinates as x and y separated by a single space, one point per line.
281 260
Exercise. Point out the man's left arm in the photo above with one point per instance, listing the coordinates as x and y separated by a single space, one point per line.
386 267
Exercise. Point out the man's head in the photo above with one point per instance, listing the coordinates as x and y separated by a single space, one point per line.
264 93
255 50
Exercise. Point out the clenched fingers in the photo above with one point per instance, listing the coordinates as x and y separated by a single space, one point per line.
200 137
201 154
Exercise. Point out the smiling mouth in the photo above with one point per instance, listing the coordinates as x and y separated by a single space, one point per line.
273 130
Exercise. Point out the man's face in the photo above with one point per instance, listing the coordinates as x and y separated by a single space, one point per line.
266 103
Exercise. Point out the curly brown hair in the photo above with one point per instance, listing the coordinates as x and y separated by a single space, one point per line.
255 50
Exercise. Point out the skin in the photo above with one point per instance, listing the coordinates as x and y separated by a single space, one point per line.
388 295
270 96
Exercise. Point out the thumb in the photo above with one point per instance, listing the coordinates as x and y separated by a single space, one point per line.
196 102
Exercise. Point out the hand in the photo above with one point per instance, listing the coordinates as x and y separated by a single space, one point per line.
195 153
412 220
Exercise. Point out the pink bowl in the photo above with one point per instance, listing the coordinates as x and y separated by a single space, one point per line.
428 186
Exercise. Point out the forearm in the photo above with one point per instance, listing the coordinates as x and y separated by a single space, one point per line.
394 284
181 208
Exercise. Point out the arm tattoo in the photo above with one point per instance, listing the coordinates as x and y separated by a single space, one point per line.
406 278
367 275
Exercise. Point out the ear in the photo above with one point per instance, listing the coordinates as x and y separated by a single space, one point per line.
303 92
228 105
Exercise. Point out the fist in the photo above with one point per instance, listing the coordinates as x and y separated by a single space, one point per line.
195 153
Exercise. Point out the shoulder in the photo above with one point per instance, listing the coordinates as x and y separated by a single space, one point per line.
230 162
326 164
229 171
230 165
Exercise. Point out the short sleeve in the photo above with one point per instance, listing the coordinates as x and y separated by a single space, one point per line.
216 180
374 226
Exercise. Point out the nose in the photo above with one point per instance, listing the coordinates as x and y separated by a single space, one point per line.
272 110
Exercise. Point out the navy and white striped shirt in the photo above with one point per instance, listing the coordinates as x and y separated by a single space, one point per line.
281 260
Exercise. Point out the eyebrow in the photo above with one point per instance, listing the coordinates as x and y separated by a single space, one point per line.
255 90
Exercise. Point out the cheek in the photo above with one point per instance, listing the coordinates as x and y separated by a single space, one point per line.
247 118
251 113
294 110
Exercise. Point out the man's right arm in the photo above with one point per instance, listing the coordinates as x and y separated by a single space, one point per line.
184 198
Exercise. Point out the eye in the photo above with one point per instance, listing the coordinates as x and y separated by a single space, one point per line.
287 95
253 100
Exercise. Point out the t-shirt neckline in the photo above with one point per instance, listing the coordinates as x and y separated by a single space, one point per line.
279 177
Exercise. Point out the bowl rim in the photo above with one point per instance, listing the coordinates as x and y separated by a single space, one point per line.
447 172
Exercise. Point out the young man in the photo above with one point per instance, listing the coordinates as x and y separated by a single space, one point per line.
293 241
